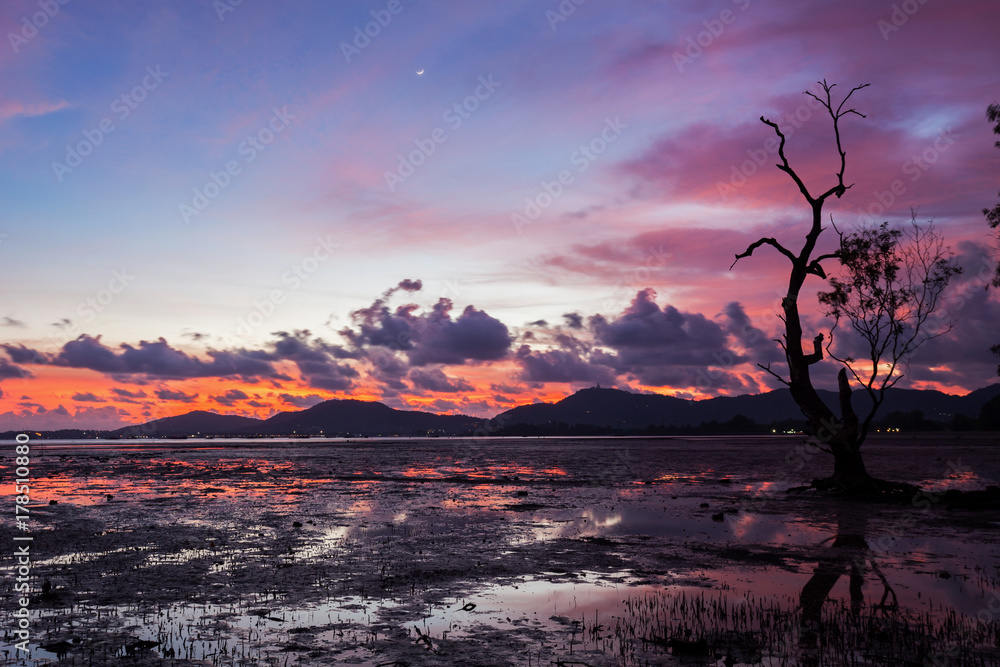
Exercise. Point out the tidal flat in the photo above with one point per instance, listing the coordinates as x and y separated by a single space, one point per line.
504 551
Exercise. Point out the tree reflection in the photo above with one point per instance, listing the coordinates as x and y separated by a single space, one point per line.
849 555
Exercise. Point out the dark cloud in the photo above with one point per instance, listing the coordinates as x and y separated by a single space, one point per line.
302 401
328 375
88 398
125 393
159 359
230 398
315 359
762 347
11 322
432 337
644 334
650 345
170 395
388 369
560 366
9 370
20 354
410 285
472 336
434 379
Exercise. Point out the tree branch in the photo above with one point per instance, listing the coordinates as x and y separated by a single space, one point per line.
784 166
756 244
840 188
767 367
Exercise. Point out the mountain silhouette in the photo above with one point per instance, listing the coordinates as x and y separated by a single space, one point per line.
199 422
614 408
353 417
603 408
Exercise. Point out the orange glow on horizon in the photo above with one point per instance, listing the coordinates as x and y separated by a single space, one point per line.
98 399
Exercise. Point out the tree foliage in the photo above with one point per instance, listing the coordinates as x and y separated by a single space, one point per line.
889 289
993 214
891 283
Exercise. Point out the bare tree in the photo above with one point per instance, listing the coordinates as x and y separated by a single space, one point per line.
884 281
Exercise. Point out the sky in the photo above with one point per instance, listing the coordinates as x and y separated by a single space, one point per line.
460 207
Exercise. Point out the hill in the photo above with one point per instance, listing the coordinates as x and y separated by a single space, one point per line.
194 423
601 410
346 417
617 409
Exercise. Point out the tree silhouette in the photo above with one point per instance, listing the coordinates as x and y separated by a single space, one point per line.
893 280
993 214
887 294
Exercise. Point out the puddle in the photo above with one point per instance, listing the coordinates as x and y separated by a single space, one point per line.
370 552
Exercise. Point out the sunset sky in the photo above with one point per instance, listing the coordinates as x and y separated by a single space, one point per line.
252 207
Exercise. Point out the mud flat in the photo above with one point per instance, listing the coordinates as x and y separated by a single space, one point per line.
503 552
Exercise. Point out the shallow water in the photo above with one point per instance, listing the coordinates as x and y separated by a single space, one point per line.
545 537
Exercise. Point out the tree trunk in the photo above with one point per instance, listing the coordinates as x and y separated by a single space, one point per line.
848 467
840 435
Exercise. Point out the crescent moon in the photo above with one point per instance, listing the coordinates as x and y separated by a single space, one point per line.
419 72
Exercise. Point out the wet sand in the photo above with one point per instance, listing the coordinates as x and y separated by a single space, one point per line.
490 552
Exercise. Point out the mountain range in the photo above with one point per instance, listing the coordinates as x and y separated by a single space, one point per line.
600 409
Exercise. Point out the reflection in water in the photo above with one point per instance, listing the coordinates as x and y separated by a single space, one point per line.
849 556
570 552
